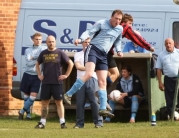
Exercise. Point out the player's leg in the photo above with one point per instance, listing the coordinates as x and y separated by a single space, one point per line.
80 102
135 100
113 72
31 84
90 67
112 104
45 97
91 88
35 86
57 93
102 74
90 60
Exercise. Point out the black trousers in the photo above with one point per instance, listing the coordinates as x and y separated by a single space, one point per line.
170 83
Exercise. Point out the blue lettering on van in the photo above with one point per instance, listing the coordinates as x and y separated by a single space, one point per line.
66 32
39 28
83 26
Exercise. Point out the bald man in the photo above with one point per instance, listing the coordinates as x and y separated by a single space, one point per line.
52 78
168 62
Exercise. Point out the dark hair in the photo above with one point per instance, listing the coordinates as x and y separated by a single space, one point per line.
117 11
128 68
127 17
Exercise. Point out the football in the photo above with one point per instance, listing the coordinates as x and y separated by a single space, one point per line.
176 115
176 1
115 95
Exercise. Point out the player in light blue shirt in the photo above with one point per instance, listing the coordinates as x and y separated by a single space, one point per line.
110 32
30 82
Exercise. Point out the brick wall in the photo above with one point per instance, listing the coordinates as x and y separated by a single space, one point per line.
8 19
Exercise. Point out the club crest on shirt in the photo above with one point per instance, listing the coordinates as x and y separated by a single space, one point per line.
136 81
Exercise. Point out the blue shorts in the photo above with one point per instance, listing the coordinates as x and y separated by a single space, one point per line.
30 83
98 57
48 90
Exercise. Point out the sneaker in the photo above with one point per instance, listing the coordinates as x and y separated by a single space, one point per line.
77 127
28 118
132 120
97 126
63 126
21 116
87 105
40 126
105 113
67 99
108 107
106 121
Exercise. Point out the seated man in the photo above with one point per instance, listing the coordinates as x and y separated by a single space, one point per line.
131 47
132 92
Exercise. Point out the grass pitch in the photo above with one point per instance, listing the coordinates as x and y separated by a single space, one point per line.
11 127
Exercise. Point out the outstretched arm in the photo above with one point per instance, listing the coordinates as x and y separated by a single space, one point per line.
137 39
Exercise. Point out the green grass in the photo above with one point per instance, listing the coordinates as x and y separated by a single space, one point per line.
10 127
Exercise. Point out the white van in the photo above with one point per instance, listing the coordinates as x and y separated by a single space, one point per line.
68 19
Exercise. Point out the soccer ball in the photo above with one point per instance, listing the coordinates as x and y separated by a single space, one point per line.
176 115
176 1
115 95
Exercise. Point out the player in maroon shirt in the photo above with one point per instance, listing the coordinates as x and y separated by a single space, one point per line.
113 72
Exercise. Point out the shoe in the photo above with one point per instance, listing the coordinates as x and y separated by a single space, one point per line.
77 127
63 126
40 126
67 99
87 105
132 121
106 121
21 116
28 118
97 126
108 107
105 113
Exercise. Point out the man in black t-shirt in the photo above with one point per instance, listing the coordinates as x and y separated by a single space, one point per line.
52 78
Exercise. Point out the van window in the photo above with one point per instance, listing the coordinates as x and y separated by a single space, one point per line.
176 34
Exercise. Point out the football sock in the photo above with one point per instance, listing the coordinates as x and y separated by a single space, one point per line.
62 120
28 103
26 97
135 106
112 105
43 121
103 99
76 86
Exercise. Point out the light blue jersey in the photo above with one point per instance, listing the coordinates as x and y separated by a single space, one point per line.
107 36
168 62
31 55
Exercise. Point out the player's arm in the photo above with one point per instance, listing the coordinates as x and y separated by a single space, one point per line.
29 59
69 68
117 45
137 39
88 33
78 65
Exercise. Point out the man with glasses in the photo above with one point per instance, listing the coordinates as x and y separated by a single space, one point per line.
30 82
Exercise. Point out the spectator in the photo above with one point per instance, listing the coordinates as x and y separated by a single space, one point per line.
132 92
168 62
87 90
52 78
30 82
